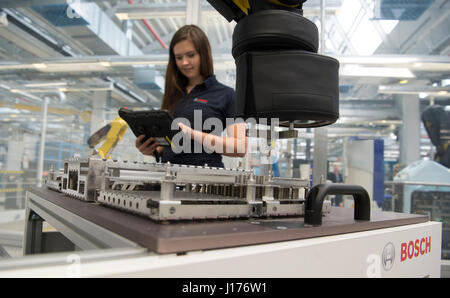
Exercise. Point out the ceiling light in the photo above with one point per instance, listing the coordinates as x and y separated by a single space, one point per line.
72 66
141 63
14 65
67 88
421 91
46 84
378 72
122 16
39 65
155 11
5 87
138 15
418 62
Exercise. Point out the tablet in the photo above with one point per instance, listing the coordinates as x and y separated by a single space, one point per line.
153 123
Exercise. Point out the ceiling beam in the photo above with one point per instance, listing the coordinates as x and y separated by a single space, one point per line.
28 3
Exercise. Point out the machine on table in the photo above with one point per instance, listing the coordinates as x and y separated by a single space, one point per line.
179 192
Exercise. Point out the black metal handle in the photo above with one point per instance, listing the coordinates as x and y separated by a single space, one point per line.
314 201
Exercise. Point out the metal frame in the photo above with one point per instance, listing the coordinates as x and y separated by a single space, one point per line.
83 234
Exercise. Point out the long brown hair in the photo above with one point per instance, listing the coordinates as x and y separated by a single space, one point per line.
176 82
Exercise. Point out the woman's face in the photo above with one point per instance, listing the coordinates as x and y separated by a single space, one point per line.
187 59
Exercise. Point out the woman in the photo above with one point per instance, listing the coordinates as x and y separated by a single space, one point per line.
191 89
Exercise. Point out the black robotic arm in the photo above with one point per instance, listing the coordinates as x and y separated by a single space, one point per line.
235 10
278 71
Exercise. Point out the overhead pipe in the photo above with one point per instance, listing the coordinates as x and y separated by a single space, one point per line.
149 27
28 28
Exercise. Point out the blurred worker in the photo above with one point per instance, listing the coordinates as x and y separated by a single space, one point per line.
336 177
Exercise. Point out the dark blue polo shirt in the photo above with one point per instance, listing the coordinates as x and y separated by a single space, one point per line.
213 99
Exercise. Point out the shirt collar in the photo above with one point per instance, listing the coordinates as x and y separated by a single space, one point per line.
210 81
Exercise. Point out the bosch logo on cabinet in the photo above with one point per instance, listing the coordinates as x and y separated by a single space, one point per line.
413 255
415 248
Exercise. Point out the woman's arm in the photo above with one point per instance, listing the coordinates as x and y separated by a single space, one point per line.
234 145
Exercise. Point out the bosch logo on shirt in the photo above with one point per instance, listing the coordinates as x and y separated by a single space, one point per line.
200 100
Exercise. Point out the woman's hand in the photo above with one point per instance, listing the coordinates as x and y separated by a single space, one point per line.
186 130
235 145
149 146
